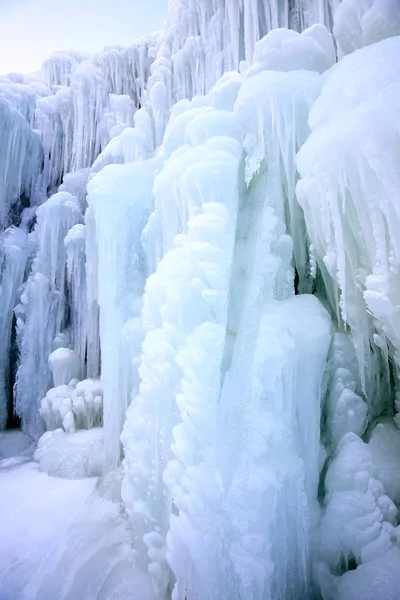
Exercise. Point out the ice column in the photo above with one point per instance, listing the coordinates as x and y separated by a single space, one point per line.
185 307
120 200
76 286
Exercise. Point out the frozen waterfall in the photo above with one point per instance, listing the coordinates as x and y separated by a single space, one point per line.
200 297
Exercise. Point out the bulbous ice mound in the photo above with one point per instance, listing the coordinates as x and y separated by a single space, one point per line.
287 50
64 365
363 22
78 405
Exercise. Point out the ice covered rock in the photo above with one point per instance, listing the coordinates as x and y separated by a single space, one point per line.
71 456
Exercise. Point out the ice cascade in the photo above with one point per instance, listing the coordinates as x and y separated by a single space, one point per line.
200 296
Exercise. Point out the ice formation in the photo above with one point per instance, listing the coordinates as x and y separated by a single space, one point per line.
199 290
350 164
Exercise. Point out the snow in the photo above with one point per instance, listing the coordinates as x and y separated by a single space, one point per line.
373 581
71 455
69 541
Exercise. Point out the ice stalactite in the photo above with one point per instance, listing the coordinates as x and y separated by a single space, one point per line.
14 251
90 103
75 243
58 68
20 159
92 298
127 69
41 315
21 96
76 123
54 123
349 182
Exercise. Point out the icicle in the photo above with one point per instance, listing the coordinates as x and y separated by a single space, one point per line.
76 285
42 314
14 250
20 158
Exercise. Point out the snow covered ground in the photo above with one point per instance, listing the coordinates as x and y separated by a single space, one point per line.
61 538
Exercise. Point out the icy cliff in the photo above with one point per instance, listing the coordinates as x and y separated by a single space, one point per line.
202 259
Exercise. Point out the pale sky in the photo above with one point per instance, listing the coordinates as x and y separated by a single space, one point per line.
30 30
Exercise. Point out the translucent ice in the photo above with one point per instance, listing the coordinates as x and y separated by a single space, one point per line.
122 275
